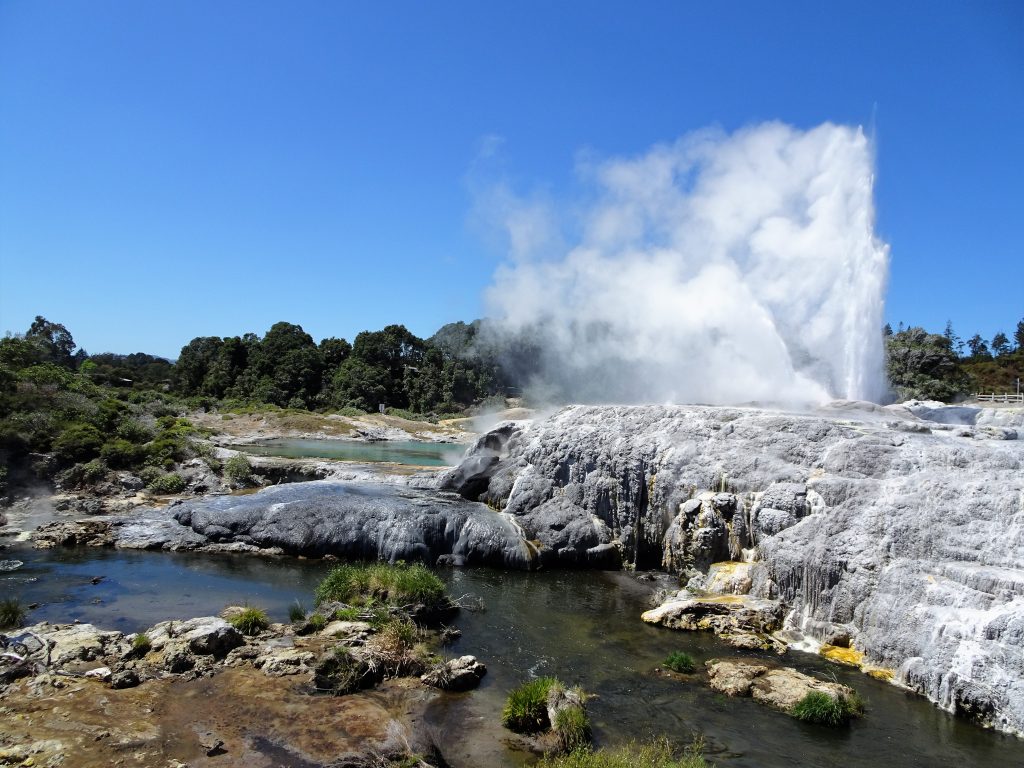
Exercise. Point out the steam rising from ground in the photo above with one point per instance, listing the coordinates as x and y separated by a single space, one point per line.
718 269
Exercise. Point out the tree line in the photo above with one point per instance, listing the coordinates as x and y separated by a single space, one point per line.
943 366
391 367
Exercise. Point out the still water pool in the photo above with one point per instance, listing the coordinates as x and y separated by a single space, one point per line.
581 626
391 451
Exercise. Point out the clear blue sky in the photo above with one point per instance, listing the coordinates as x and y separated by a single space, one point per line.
174 169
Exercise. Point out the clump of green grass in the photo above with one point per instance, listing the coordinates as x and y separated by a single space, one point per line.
250 621
141 645
296 612
657 754
361 584
526 708
316 622
822 708
680 661
12 613
572 727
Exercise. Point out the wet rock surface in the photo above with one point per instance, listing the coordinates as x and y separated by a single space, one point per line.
779 687
461 674
346 519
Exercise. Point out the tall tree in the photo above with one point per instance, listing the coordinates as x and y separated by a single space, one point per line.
921 365
978 347
54 339
1000 344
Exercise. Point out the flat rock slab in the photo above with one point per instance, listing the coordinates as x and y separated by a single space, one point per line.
721 614
779 687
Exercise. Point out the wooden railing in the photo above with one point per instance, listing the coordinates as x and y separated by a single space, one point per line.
1004 398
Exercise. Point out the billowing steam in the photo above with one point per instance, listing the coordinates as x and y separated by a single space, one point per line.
718 269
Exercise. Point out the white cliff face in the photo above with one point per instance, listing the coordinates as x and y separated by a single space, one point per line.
900 535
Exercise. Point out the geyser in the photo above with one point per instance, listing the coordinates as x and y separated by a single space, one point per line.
722 268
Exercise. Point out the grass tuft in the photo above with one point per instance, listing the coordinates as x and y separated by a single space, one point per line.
822 708
573 728
250 621
680 661
141 645
657 754
12 613
526 708
296 612
361 584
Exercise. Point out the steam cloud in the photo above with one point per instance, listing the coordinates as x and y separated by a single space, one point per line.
717 269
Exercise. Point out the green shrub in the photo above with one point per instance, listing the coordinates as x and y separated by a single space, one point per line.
122 453
148 475
167 484
349 411
399 584
238 470
680 661
134 432
657 754
350 613
12 613
78 442
316 622
572 727
822 708
250 621
526 708
167 450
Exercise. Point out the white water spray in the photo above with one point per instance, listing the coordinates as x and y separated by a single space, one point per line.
718 269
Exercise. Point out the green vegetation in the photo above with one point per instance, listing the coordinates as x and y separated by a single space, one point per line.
141 645
572 728
167 484
12 613
250 621
935 366
526 708
680 661
822 708
657 754
316 622
296 612
238 470
363 584
391 366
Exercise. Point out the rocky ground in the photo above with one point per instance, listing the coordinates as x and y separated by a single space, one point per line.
234 429
199 692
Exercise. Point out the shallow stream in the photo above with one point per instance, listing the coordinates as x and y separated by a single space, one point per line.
581 626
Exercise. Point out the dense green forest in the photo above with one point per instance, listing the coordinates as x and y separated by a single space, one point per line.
393 367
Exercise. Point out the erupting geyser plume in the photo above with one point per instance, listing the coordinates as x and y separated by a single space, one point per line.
719 269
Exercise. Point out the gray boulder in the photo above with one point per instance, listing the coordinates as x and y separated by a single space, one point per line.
356 520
